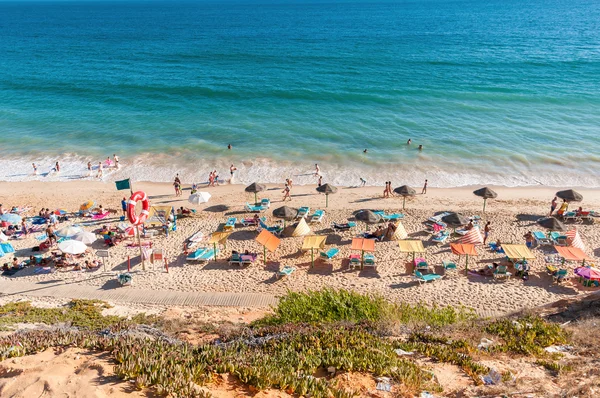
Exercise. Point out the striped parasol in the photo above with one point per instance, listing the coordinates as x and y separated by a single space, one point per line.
574 239
473 236
400 232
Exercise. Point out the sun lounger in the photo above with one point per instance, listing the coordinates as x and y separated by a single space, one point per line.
420 264
265 203
303 212
494 247
440 237
248 259
196 255
419 277
558 239
354 260
251 221
449 266
276 229
329 254
285 271
235 258
438 218
541 238
560 275
254 209
230 224
570 216
369 261
501 272
389 217
317 216
342 227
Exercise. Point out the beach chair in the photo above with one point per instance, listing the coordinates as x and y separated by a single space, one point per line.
558 239
570 216
449 266
251 221
248 259
541 238
287 270
265 203
276 229
389 217
329 254
559 276
195 256
440 237
501 272
421 265
419 277
235 259
586 216
317 216
495 248
254 209
369 261
303 212
208 255
354 260
438 219
230 224
342 227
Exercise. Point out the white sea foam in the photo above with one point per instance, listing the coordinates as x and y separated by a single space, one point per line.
163 168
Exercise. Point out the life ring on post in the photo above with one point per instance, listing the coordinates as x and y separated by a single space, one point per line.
134 219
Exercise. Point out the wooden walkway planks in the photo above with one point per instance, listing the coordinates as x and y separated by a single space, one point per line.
132 295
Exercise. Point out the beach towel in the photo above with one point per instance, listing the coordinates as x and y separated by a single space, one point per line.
43 270
10 272
41 237
7 248
135 245
100 216
38 220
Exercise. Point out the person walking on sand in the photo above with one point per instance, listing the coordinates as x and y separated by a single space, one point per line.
100 170
177 185
34 169
286 192
317 170
320 182
116 159
386 191
424 191
553 206
363 182
486 232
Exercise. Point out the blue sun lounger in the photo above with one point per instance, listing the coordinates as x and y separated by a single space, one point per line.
317 216
303 212
255 209
419 277
274 229
230 224
389 217
329 254
195 256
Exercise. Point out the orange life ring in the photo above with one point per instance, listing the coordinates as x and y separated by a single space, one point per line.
134 219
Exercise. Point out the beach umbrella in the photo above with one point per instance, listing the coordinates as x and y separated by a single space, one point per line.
90 204
199 197
552 224
11 218
368 217
327 189
3 238
574 239
220 238
68 232
60 212
570 195
268 241
86 237
464 249
569 253
285 213
486 194
311 243
589 273
411 246
301 229
455 220
405 191
72 247
255 188
364 245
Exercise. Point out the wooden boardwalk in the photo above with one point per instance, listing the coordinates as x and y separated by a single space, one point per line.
131 295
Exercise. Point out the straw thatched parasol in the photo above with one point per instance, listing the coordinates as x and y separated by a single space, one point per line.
327 189
486 194
552 224
455 220
367 216
405 191
255 188
285 213
570 195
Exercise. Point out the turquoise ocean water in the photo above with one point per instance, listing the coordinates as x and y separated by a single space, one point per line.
497 91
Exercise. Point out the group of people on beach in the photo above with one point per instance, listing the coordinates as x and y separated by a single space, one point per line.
108 163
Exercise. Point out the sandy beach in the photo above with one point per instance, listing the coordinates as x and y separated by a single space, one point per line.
512 214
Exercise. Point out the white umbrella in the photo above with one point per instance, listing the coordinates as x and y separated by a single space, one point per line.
68 232
199 197
72 247
86 237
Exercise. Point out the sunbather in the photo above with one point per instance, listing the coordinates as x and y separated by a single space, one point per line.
529 239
